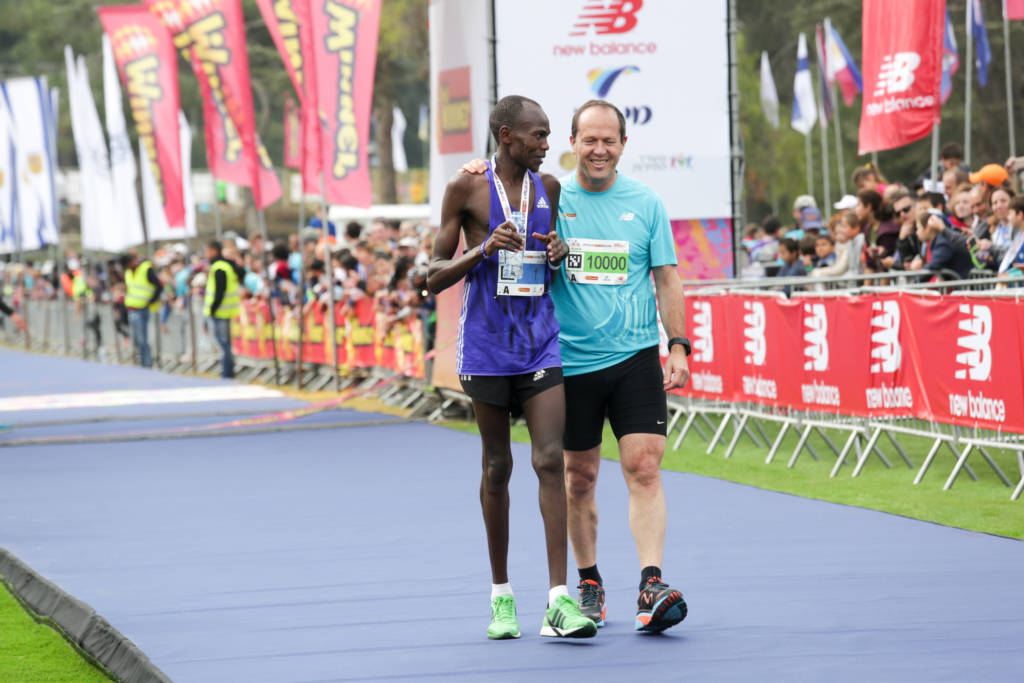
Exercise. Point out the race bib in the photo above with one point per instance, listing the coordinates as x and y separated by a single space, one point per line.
521 273
597 262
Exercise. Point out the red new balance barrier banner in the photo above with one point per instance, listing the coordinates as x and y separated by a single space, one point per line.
344 34
952 359
969 350
902 71
211 36
149 69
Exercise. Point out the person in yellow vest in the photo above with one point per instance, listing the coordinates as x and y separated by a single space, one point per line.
223 299
142 296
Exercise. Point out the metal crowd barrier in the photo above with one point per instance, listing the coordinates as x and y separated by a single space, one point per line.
711 420
182 342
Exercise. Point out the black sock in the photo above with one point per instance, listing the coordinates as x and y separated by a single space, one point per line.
590 573
647 573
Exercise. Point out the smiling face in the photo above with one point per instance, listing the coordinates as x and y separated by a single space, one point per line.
598 145
1001 205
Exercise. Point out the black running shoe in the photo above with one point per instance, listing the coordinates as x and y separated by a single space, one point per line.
659 607
592 601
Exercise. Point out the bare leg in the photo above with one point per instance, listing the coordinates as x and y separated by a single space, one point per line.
545 417
641 466
497 469
581 469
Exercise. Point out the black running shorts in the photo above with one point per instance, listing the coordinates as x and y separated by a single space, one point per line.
510 391
631 394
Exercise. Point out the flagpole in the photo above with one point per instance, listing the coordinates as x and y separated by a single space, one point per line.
270 288
1009 84
216 209
935 153
969 74
329 274
808 164
840 163
825 180
301 299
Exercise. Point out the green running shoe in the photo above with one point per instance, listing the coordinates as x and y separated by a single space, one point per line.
564 620
503 618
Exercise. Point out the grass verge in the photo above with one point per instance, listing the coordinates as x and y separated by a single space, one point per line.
982 505
32 651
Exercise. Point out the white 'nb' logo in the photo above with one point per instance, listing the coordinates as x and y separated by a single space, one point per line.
886 351
897 73
755 346
978 354
816 336
703 334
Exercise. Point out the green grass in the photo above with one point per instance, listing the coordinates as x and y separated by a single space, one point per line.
983 505
31 651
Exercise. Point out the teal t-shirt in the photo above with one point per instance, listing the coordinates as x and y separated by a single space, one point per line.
607 314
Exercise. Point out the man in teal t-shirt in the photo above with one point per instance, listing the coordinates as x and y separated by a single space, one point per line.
618 235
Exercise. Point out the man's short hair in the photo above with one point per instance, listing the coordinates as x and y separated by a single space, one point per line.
506 112
215 245
825 236
790 244
353 229
589 104
952 150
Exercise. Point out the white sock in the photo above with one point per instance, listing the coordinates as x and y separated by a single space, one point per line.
500 589
555 591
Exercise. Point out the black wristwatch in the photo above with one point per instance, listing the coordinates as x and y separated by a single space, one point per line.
679 340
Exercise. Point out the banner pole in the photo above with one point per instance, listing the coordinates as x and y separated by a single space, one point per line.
216 209
935 152
1009 85
967 89
807 164
329 275
301 298
270 290
840 163
825 180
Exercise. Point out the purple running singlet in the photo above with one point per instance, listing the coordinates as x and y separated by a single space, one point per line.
508 325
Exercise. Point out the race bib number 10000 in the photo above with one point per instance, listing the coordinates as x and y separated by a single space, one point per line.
597 262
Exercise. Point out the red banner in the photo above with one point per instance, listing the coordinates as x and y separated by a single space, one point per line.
344 34
1014 9
902 71
952 359
211 36
149 70
292 134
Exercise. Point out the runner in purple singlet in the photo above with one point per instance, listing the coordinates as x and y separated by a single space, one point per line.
508 353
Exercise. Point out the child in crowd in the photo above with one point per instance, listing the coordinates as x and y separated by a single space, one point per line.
849 251
807 251
824 251
789 252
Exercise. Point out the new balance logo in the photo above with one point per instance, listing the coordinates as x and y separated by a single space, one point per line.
607 16
977 324
897 73
539 375
703 333
628 216
542 203
755 347
816 336
886 352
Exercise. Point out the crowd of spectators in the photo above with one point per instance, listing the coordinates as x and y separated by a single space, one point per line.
384 262
968 225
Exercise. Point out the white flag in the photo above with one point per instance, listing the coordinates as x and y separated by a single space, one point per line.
156 219
27 101
804 108
123 171
769 96
102 230
398 124
7 175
